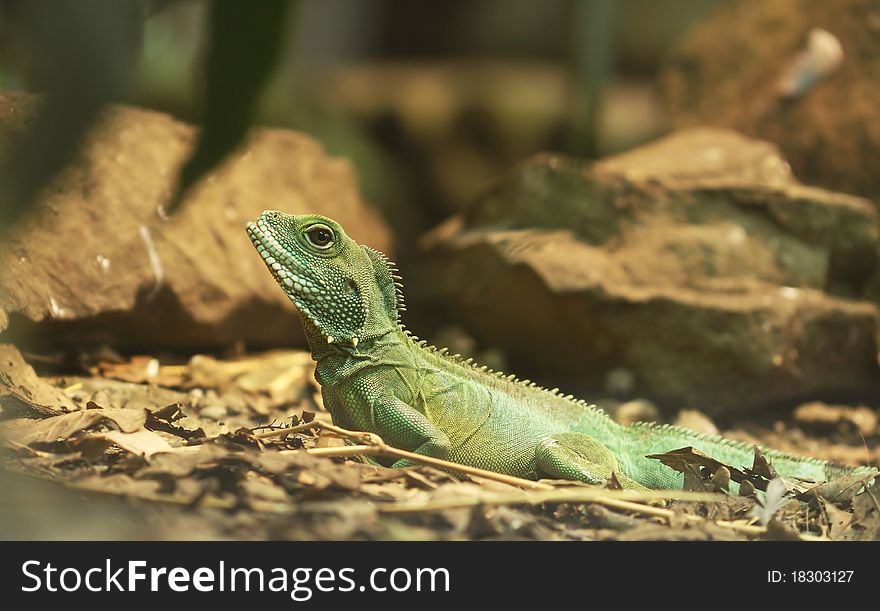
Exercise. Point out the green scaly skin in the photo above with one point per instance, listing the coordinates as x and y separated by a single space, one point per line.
375 376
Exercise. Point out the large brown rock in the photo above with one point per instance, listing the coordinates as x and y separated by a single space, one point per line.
736 70
97 262
696 262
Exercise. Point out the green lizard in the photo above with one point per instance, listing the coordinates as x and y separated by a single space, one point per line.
375 376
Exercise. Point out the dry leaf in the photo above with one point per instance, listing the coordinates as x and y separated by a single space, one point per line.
163 420
22 391
761 466
839 521
141 443
866 510
841 489
60 428
681 458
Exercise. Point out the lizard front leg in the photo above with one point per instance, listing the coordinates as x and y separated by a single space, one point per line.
406 428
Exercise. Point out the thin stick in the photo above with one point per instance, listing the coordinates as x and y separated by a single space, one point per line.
609 498
548 492
386 450
308 426
373 445
376 446
565 494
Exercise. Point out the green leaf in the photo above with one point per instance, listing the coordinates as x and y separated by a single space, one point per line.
245 41
80 54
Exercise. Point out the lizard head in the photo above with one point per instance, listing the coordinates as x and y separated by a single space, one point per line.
347 291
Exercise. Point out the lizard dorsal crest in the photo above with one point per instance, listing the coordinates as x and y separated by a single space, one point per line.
388 283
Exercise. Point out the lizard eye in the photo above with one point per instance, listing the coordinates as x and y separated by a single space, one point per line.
320 236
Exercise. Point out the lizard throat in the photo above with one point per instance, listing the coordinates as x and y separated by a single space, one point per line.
307 293
300 290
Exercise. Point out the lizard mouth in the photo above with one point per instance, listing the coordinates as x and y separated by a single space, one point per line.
281 265
314 295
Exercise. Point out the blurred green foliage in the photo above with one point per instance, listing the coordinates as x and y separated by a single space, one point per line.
80 55
245 41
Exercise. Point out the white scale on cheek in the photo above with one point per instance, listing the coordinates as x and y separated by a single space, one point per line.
272 252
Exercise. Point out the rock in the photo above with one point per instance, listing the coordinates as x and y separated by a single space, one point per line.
637 410
619 382
697 262
821 415
800 73
213 412
696 421
97 263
